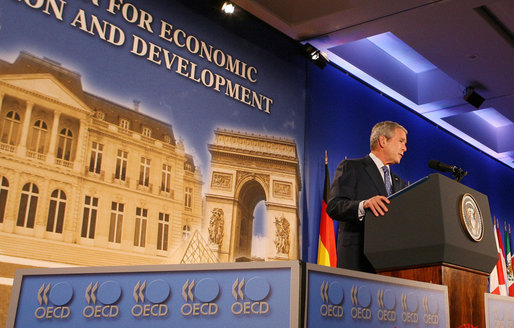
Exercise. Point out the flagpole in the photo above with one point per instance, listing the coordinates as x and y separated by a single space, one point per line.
508 280
327 254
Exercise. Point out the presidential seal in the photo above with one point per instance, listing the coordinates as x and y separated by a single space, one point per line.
471 217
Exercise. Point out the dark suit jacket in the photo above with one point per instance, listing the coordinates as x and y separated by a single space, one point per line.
355 180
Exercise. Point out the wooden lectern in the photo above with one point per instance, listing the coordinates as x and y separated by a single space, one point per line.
424 238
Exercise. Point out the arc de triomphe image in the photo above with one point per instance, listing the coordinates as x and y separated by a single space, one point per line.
245 170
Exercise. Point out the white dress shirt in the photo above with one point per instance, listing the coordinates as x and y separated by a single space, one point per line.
379 165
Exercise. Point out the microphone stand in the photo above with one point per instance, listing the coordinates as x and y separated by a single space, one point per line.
459 174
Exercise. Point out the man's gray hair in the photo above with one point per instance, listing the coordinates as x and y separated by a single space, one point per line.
386 128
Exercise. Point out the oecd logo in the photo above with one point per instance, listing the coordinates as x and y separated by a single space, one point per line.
410 307
206 291
256 291
156 292
52 301
386 305
332 296
431 307
108 293
361 301
502 315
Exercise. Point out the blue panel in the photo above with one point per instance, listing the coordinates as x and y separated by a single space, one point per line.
372 301
130 298
499 311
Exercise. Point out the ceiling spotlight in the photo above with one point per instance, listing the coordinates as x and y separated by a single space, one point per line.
316 56
472 97
228 8
310 51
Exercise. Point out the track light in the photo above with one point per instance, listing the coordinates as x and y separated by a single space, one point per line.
316 56
312 52
228 8
472 97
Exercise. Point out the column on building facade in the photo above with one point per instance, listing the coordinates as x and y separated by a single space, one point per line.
1 99
41 217
50 158
79 155
22 147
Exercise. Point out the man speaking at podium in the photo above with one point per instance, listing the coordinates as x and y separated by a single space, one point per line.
361 185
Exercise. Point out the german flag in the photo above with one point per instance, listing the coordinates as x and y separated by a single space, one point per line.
327 254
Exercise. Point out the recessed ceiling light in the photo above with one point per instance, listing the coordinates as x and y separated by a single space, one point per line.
402 52
493 117
228 8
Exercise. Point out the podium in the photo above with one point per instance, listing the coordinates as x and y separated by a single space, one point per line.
424 237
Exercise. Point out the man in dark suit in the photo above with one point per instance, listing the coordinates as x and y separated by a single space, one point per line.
362 185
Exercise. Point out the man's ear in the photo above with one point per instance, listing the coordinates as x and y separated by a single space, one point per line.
382 141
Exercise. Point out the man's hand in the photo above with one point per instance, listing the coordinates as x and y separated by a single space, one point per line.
377 205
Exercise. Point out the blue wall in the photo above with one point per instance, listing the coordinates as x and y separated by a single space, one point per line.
340 114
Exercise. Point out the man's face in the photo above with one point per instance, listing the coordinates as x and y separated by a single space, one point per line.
395 147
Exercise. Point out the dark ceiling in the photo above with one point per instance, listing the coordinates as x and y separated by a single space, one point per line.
424 54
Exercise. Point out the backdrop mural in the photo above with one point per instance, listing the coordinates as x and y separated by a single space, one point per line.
144 133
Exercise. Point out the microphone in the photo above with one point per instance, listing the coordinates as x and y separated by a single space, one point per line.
441 167
457 172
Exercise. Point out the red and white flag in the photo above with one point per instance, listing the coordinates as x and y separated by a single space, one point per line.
502 255
497 277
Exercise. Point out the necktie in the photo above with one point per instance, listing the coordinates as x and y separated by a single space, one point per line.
387 180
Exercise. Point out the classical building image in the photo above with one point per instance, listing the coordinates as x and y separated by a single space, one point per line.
85 181
88 182
245 170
